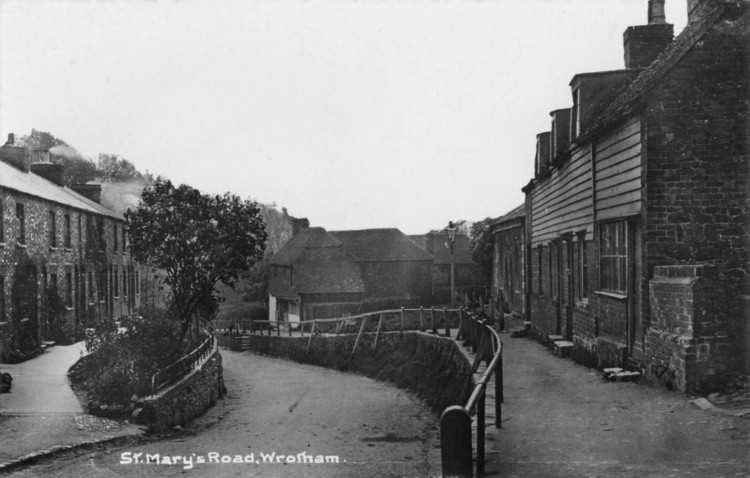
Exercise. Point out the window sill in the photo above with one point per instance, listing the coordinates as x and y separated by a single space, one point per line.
68 249
20 246
611 295
69 308
53 248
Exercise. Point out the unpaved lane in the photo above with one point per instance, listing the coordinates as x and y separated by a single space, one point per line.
281 407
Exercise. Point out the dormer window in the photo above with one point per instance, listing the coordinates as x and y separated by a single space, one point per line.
575 115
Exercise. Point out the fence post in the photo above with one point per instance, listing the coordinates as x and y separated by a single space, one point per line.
499 393
278 329
480 432
252 329
289 328
359 335
432 318
377 334
309 341
402 320
421 318
455 442
445 319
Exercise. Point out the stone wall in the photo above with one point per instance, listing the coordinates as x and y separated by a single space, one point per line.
433 367
687 343
185 400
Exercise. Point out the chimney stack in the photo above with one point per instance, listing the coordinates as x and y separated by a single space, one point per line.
93 192
299 225
49 171
16 156
643 43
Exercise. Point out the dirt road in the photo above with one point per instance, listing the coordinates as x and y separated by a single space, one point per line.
275 407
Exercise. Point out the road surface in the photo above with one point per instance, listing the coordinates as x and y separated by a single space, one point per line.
276 407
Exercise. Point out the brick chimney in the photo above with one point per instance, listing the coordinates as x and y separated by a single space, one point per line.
93 192
644 43
16 156
299 225
49 171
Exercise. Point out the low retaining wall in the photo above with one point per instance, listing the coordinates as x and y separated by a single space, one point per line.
431 366
186 399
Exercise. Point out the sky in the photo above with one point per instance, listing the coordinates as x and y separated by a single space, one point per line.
355 114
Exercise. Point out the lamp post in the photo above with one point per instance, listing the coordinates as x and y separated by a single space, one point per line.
451 230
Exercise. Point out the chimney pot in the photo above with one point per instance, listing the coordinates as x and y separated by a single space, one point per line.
656 14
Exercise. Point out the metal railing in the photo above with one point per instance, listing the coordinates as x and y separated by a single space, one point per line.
435 320
183 366
455 422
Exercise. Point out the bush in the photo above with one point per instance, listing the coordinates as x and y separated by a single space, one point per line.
125 355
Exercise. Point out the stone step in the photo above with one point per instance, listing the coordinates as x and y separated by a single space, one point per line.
617 374
516 333
562 348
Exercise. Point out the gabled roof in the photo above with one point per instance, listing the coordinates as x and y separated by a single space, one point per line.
319 263
710 13
310 238
34 185
518 212
381 245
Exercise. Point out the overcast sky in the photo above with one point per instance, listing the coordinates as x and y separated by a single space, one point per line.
354 114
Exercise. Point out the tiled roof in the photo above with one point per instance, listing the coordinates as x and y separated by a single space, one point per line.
34 185
517 212
630 99
313 237
385 245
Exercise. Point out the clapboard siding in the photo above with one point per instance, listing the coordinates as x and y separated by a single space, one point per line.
618 172
563 203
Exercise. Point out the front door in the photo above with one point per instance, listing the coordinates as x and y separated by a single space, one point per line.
635 295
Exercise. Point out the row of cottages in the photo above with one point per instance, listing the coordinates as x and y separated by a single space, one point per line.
637 220
64 261
323 274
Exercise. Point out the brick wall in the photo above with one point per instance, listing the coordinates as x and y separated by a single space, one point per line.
688 346
509 266
698 169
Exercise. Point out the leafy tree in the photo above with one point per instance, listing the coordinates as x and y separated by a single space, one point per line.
482 246
198 241
114 168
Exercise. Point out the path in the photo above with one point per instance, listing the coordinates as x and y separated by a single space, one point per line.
284 407
42 411
561 419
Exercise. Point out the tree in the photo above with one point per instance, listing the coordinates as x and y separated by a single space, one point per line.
114 168
482 246
198 241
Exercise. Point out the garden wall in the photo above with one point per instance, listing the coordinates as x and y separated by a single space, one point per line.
431 366
186 399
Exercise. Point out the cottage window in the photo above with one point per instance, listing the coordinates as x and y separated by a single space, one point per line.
137 282
552 270
582 269
124 239
52 229
66 231
100 231
114 244
613 257
116 283
21 216
540 287
80 229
